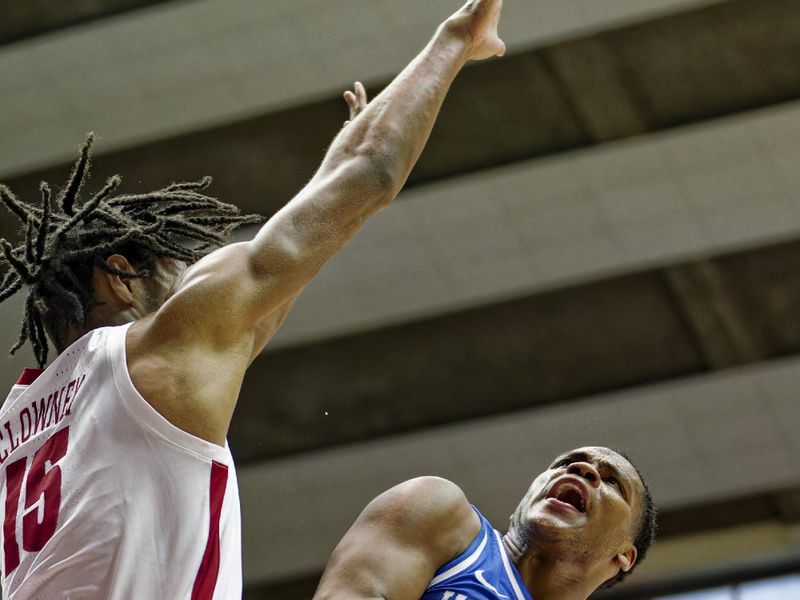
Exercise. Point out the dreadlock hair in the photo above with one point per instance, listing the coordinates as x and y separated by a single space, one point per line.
63 240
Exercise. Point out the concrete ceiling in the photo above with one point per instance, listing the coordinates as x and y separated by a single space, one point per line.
599 244
23 20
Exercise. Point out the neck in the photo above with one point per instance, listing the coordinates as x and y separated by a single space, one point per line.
546 578
96 319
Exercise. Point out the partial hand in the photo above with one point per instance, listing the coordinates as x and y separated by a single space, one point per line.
356 101
478 20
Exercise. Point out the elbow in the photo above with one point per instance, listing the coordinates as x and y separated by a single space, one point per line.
379 168
365 175
370 161
382 156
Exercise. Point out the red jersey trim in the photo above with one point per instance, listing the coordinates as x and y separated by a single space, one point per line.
29 375
206 579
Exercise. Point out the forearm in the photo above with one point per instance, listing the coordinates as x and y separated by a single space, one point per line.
394 128
366 165
369 161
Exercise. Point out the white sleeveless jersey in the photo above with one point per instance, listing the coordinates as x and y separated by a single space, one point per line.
102 497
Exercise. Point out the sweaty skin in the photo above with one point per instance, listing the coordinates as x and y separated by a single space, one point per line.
188 358
404 535
564 554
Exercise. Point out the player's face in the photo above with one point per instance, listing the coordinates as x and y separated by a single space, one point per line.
589 498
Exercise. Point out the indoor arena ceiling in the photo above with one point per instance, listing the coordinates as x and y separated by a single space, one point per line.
600 243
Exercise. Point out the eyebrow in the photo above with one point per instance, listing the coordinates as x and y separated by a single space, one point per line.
624 480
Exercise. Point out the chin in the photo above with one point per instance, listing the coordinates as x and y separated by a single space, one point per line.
540 526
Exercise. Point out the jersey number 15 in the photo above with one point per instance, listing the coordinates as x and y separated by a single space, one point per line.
41 482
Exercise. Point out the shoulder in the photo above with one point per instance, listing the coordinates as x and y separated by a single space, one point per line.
424 496
432 506
435 493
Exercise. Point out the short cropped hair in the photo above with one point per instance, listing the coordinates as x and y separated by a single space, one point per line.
646 529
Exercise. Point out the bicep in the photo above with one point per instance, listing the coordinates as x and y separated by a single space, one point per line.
300 238
244 286
372 561
220 302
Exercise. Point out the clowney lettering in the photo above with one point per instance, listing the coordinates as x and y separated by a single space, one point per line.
38 416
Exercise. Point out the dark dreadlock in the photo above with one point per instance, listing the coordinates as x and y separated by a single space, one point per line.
65 239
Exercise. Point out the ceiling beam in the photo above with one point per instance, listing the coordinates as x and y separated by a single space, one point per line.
722 331
213 61
543 349
23 20
530 104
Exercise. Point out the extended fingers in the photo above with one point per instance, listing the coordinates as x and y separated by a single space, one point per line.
350 98
361 95
356 100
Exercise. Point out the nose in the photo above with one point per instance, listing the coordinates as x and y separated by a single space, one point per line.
585 470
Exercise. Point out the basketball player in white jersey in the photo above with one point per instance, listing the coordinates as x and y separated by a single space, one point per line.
583 524
116 481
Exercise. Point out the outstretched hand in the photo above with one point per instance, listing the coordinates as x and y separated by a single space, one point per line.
356 101
475 22
478 19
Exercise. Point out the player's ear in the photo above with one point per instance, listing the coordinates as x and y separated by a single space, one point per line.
119 287
626 557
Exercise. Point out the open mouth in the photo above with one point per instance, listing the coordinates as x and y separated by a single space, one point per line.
569 493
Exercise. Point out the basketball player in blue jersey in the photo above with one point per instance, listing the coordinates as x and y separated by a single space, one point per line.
583 524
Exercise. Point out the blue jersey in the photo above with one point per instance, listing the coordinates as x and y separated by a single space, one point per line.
482 572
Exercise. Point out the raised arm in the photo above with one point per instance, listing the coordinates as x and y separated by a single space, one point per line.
364 169
370 160
227 306
399 540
